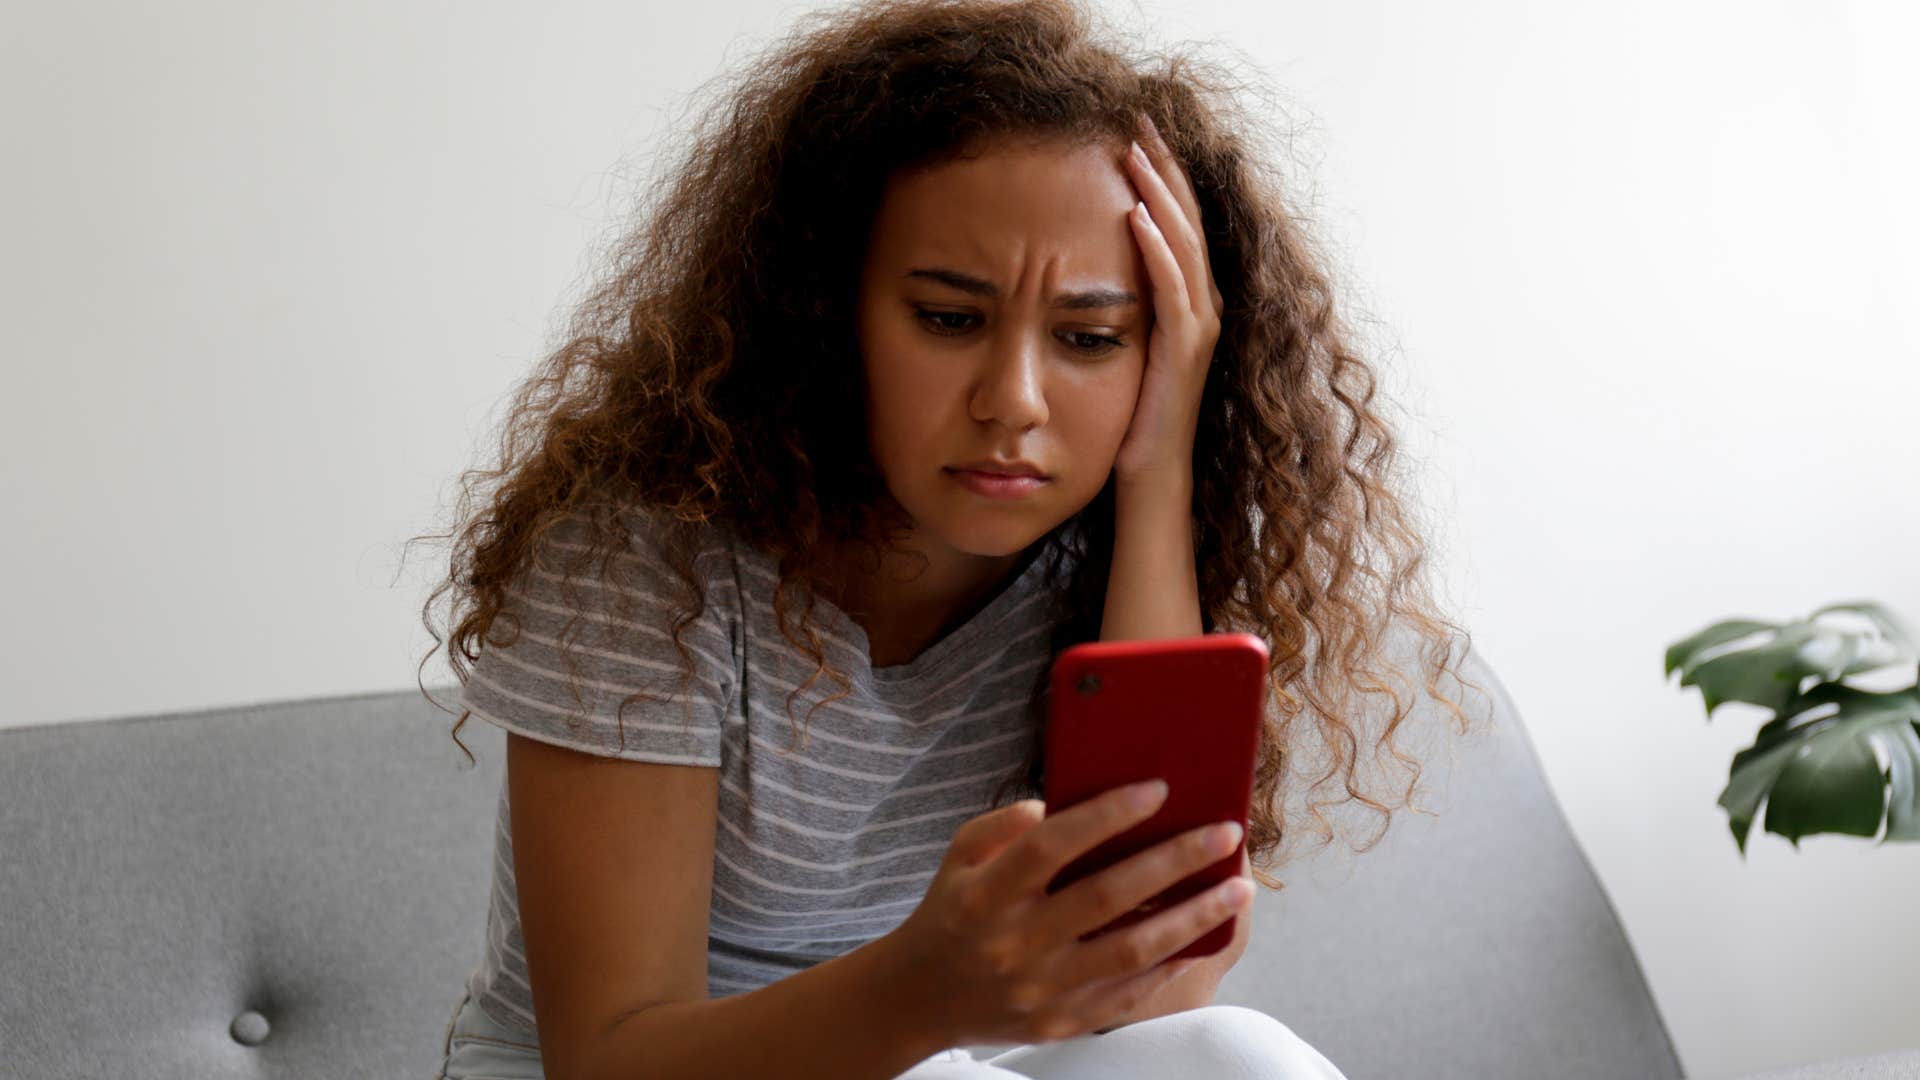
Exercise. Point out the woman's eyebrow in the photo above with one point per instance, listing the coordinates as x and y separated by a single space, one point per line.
1090 298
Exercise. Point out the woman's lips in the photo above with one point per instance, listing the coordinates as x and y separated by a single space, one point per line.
997 485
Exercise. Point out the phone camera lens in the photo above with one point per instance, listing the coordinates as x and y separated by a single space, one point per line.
1089 684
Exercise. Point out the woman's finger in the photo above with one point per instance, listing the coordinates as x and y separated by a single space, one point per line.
1099 998
1170 170
1170 298
1183 190
1182 236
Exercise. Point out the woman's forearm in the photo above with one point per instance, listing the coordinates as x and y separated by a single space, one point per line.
1153 590
854 1017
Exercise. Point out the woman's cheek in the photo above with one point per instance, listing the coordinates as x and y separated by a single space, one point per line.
1110 402
897 393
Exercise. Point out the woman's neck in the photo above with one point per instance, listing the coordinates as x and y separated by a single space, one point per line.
914 599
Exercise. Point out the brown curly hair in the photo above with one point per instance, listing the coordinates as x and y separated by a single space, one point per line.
707 377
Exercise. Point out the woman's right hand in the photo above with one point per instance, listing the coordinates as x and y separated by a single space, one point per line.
990 956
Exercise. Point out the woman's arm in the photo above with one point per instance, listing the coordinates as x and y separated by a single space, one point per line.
1152 589
1153 592
614 865
850 1018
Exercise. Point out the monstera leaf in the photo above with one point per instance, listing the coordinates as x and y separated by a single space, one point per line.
1814 763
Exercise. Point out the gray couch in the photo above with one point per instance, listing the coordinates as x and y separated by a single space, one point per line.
299 889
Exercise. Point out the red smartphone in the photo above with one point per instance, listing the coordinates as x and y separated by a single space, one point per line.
1184 710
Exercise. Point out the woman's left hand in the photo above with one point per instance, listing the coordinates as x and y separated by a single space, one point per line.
1158 445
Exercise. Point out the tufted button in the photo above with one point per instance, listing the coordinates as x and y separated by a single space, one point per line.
249 1028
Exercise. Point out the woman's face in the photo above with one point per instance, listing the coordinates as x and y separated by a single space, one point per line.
1003 318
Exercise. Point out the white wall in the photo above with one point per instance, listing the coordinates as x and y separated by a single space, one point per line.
1646 273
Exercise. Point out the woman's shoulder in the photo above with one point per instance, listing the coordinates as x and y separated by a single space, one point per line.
601 613
643 552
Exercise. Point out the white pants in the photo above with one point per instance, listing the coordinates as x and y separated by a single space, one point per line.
1219 1042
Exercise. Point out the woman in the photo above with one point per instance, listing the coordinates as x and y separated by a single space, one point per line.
958 337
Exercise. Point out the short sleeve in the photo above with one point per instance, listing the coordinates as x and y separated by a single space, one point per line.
566 627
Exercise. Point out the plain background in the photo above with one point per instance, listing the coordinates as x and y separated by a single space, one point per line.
1643 277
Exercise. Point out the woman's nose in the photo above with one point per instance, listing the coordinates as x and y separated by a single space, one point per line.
1010 389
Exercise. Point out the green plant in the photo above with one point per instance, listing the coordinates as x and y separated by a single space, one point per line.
1814 762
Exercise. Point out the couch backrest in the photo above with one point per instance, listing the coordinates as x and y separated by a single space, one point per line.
1472 943
322 864
300 889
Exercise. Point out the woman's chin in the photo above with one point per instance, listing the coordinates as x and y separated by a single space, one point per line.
997 541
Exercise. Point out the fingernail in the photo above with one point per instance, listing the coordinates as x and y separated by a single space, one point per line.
1139 155
1237 892
1147 794
1225 837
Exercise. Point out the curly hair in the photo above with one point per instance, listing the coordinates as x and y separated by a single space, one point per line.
707 375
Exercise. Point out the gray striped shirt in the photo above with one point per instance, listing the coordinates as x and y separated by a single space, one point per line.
818 850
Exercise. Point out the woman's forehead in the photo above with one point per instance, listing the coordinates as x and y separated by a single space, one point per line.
1010 200
1071 171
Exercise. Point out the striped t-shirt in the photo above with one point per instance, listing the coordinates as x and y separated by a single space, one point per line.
817 850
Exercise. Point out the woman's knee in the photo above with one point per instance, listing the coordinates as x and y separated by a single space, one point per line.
1240 1042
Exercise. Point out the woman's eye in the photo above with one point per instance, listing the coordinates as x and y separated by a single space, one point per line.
936 321
1092 344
